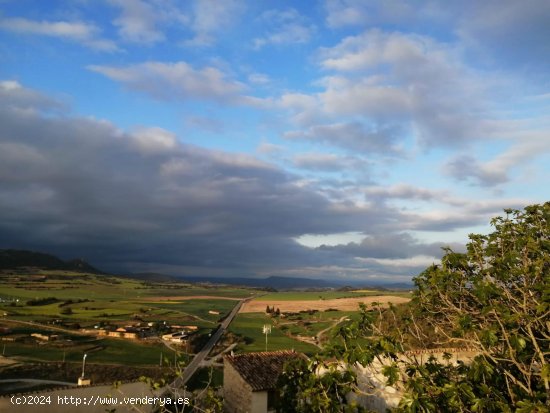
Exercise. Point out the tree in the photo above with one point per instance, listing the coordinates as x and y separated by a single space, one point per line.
311 386
495 299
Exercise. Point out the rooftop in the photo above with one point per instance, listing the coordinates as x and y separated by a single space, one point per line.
261 370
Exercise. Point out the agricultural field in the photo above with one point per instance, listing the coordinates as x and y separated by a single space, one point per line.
75 306
310 318
249 328
321 304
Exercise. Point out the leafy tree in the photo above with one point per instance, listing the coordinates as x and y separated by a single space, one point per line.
493 299
308 386
496 299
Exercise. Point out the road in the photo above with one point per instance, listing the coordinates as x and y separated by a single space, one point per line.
49 327
38 381
201 355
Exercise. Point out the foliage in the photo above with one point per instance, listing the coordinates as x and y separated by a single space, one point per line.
314 386
494 299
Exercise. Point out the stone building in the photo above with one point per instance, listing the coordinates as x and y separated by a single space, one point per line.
249 380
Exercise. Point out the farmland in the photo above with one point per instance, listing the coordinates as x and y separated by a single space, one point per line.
341 304
308 317
57 316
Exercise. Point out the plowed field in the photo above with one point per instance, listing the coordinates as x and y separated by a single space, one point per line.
342 304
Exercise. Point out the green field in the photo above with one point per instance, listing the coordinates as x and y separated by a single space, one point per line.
88 300
109 351
249 327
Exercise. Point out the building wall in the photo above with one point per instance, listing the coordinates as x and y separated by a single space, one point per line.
372 382
259 402
237 394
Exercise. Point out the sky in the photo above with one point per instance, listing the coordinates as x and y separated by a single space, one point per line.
336 139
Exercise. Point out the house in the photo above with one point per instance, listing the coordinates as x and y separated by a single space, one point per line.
249 380
45 337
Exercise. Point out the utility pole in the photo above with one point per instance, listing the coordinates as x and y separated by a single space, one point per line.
266 330
84 364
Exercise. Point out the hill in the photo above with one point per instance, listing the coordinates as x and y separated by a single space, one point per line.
13 259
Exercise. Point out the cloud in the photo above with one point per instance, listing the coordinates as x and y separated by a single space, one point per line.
495 31
175 81
138 21
267 148
17 96
341 13
129 201
324 162
408 79
389 92
151 140
508 31
286 27
80 32
209 18
259 79
404 191
497 171
389 246
352 136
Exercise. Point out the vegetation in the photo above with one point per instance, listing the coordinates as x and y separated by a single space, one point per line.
248 326
494 299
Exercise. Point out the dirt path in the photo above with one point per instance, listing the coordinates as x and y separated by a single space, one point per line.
49 327
322 332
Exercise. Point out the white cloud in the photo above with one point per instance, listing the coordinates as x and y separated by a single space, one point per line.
175 81
497 171
285 27
341 13
154 140
209 18
80 32
138 21
259 78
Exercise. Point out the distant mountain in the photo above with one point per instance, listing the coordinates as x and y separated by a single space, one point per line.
153 277
279 283
276 282
13 259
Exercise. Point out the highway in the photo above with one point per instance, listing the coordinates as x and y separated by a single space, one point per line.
180 382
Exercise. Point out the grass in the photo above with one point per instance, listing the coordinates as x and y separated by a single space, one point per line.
199 307
327 295
108 351
114 300
205 377
249 326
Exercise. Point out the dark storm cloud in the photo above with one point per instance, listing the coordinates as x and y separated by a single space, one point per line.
82 187
142 200
398 245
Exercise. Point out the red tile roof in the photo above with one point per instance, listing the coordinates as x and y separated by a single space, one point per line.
261 370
